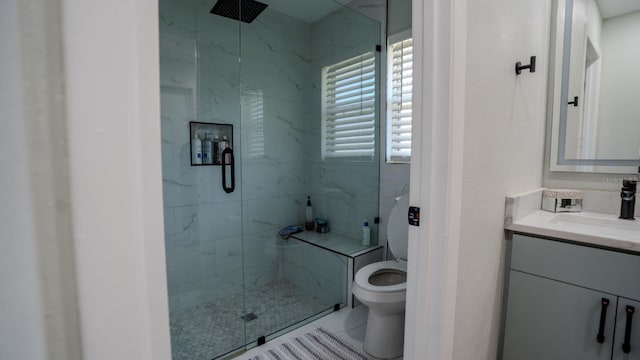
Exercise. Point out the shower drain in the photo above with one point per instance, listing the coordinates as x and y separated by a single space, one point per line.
248 317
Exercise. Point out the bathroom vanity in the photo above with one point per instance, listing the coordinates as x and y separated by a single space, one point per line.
570 301
572 285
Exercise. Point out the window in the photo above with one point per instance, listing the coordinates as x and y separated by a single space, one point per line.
349 107
399 106
252 115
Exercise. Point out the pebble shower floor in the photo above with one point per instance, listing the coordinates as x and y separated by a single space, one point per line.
206 331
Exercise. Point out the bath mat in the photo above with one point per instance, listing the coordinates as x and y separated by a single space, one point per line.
317 345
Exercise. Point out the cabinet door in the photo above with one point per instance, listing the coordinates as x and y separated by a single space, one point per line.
627 330
551 320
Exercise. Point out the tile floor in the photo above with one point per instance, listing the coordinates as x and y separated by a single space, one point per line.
213 329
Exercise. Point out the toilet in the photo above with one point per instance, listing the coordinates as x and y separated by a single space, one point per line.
382 286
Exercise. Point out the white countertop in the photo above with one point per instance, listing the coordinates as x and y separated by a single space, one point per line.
584 227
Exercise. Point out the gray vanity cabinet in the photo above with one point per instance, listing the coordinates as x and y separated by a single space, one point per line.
551 320
560 297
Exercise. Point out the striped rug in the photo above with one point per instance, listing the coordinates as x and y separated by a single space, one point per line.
317 345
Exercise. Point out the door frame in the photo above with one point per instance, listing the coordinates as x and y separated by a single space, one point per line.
136 290
436 176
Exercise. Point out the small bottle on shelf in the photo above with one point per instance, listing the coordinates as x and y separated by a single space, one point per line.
196 150
309 224
207 155
224 144
366 234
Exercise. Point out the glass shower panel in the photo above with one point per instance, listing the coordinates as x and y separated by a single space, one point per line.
283 53
199 68
274 71
344 118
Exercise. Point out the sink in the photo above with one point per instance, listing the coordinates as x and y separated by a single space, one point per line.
597 224
523 215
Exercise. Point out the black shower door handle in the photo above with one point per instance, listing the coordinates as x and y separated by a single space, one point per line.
232 163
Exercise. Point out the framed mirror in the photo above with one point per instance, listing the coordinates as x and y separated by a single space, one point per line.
596 86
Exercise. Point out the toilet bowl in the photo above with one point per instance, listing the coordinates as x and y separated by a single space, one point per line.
382 286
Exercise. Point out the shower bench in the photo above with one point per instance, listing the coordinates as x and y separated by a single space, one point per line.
356 254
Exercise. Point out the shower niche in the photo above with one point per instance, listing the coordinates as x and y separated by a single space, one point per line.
209 140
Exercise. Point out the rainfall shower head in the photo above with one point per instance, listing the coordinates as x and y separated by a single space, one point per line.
243 10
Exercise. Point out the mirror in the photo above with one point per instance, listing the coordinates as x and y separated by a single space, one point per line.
596 103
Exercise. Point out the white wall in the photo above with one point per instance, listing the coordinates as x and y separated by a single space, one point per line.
503 154
399 13
619 115
22 334
113 111
38 307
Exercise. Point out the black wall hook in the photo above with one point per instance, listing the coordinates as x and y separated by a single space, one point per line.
531 66
574 102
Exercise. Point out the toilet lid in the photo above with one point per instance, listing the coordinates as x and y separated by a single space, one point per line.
398 228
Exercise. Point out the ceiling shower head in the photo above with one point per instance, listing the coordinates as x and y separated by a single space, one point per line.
243 10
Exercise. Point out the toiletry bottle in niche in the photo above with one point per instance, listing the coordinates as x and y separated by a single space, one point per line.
366 234
223 145
308 216
227 145
196 149
215 145
207 149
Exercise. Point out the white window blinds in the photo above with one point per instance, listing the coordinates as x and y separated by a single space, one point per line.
399 106
348 110
252 115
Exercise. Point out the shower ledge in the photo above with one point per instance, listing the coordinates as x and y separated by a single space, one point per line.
335 242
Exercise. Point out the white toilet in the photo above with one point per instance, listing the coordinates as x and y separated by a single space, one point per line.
382 286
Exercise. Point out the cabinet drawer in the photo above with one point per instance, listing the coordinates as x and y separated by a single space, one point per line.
603 270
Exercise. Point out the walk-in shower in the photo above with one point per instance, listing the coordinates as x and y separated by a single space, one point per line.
294 93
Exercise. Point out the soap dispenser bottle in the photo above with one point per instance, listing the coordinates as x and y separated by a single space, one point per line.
308 216
366 234
223 145
628 196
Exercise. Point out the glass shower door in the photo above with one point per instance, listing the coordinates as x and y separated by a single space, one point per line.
199 67
283 52
274 113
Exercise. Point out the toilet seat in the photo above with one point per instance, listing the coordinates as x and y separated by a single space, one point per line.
362 276
398 228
